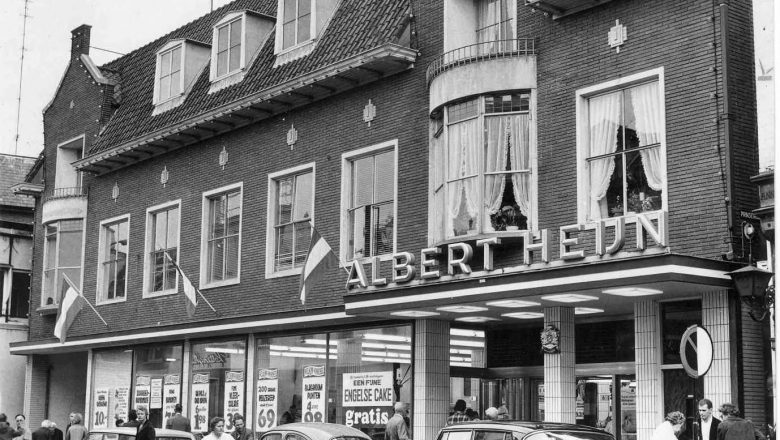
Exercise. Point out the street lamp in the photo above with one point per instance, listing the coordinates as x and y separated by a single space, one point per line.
753 287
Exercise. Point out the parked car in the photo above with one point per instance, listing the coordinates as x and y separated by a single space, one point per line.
128 433
518 430
313 431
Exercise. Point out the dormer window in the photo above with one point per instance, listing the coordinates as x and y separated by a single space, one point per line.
229 47
302 22
170 73
297 22
236 40
179 62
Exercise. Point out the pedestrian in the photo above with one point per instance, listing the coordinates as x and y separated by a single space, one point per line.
491 413
706 428
471 414
460 413
396 428
76 430
733 427
55 433
241 432
145 429
6 432
21 425
178 421
216 430
132 419
670 427
503 413
42 433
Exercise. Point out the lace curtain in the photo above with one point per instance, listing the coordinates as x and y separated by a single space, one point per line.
507 132
604 120
647 112
464 148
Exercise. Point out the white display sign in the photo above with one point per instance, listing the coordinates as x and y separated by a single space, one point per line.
120 403
234 397
142 391
171 395
367 399
101 408
314 393
156 396
267 398
200 402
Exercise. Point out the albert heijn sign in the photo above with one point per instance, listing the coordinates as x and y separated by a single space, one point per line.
535 246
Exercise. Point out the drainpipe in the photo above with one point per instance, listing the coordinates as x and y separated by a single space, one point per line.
726 116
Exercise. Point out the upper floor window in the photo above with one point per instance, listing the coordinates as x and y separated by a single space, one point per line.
369 190
170 73
484 159
67 180
228 47
112 259
623 168
291 211
162 246
236 39
62 257
296 26
178 64
221 240
495 21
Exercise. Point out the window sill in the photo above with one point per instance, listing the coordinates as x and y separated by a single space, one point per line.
284 273
48 310
510 235
111 301
226 80
222 283
294 52
160 293
170 103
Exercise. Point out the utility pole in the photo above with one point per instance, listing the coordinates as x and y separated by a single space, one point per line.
21 72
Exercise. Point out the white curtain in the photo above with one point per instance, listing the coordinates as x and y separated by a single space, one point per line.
436 165
498 132
647 112
464 146
604 120
520 156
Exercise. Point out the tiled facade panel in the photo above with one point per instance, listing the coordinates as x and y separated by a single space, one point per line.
756 372
649 401
559 379
715 319
431 377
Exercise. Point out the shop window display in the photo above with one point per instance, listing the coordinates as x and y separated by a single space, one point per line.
157 380
112 371
217 382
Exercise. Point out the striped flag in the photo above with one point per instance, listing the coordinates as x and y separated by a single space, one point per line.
189 289
70 305
319 259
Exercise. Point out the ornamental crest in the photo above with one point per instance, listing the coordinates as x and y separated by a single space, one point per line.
550 339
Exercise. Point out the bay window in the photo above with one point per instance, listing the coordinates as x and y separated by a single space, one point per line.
62 257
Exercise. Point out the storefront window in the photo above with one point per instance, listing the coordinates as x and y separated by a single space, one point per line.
217 382
112 371
467 348
676 318
158 380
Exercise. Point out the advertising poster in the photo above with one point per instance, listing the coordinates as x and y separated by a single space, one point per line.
101 408
313 393
367 399
171 395
267 397
142 391
120 400
200 402
234 397
628 408
156 396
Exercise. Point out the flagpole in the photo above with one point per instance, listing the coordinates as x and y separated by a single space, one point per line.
196 289
67 280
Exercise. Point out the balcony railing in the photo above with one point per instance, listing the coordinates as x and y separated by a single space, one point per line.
62 193
513 48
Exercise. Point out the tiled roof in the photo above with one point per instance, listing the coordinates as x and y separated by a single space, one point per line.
13 170
356 26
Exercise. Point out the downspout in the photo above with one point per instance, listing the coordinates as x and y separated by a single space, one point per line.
725 49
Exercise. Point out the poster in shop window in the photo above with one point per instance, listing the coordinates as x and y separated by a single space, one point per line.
313 393
171 395
267 397
101 408
200 402
234 397
367 399
156 393
142 390
120 403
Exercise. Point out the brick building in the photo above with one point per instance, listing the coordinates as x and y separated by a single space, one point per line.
486 172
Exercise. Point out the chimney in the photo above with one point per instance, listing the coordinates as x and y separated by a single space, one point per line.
80 41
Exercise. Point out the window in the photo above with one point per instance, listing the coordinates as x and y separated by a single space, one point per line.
291 209
62 257
369 192
495 25
483 180
112 258
217 382
170 78
67 181
621 148
162 238
221 245
228 44
296 27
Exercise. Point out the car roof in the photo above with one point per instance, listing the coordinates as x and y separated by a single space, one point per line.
318 431
132 430
521 426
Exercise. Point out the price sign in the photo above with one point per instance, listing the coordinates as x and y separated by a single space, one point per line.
101 408
267 397
234 397
696 351
314 393
200 402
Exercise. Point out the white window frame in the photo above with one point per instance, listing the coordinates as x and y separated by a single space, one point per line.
346 194
57 259
60 167
279 42
101 295
270 235
169 48
583 135
226 21
204 239
149 238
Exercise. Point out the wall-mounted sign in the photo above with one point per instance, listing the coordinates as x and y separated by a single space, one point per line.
367 399
313 393
696 351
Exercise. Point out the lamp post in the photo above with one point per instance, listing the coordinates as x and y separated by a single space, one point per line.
752 285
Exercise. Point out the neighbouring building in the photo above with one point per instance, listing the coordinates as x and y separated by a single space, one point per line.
531 203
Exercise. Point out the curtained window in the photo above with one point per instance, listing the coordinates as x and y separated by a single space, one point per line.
495 25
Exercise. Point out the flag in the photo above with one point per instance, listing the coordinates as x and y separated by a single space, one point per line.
70 305
319 259
189 289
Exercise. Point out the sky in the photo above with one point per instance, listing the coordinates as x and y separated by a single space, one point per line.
124 25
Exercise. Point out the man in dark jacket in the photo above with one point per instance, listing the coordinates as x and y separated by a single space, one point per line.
178 421
43 432
6 432
145 428
241 432
734 427
55 433
706 428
